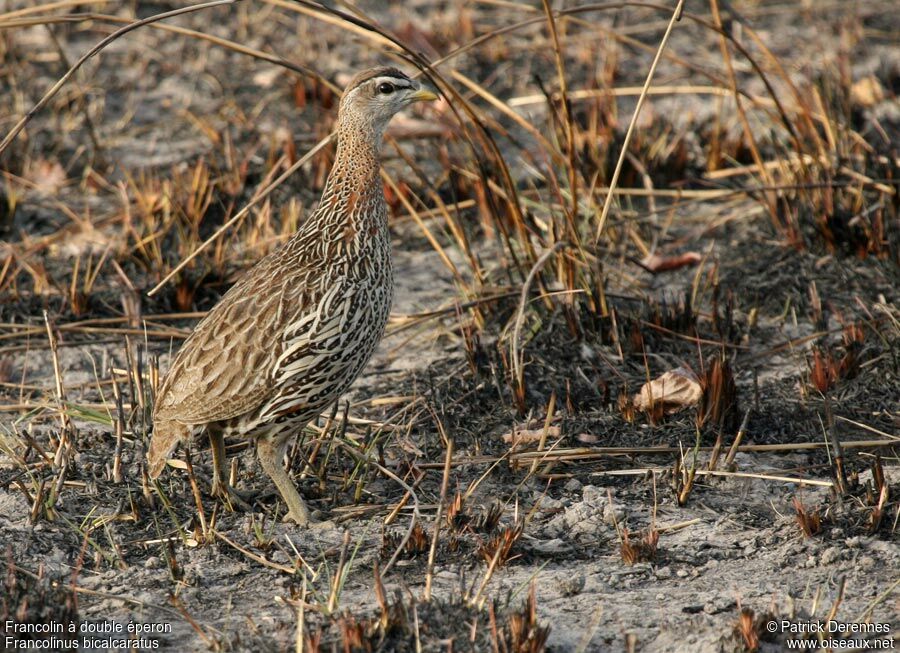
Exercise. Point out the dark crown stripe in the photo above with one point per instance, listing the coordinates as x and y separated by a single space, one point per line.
386 71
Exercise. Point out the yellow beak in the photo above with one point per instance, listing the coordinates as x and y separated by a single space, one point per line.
423 95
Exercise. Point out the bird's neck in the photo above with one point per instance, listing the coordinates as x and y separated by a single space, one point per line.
353 195
358 156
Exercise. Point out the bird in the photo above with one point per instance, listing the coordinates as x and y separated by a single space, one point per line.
291 335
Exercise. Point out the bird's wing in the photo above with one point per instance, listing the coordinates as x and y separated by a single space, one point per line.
314 358
224 369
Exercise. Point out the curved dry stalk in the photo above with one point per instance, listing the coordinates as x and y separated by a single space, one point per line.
183 31
416 516
742 116
520 313
382 37
19 126
507 110
49 6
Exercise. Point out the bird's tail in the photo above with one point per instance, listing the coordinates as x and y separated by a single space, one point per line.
166 436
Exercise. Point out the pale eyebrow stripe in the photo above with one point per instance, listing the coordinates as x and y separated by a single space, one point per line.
399 82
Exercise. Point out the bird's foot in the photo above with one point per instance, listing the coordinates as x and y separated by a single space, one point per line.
310 522
230 496
324 525
299 517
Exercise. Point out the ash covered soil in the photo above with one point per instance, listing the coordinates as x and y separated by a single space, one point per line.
598 538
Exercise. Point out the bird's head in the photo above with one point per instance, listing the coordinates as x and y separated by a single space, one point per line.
372 98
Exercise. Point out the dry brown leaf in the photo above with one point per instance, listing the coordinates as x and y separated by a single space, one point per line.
867 91
657 263
409 446
676 389
528 436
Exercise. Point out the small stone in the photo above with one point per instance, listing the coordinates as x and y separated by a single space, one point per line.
866 562
152 562
797 547
549 504
612 515
572 585
592 495
556 527
318 521
664 572
556 546
830 555
718 604
683 573
56 556
573 485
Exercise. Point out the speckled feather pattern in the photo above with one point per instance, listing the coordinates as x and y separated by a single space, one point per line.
294 332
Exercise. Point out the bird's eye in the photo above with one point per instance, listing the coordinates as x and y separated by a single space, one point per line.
385 88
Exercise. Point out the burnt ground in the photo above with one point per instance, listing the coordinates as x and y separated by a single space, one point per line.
532 548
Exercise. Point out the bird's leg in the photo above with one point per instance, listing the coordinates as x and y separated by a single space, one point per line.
221 488
270 454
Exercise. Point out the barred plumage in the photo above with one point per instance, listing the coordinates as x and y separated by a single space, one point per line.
291 336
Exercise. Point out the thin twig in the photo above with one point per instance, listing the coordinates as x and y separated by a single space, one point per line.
676 15
437 520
